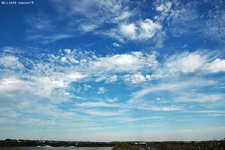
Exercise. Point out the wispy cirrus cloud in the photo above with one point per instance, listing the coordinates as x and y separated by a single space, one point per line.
178 18
201 98
214 24
97 112
45 39
93 15
124 119
45 29
97 104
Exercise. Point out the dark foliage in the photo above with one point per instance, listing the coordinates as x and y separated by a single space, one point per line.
125 146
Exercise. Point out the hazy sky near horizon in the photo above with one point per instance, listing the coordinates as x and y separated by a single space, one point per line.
105 70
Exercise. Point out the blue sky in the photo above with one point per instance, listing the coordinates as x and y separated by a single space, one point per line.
105 70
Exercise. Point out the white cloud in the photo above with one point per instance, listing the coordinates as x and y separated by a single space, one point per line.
111 79
124 15
162 108
124 62
46 79
186 62
98 104
68 57
141 30
143 105
63 59
124 119
213 26
39 22
45 39
177 17
138 96
165 12
40 87
45 86
201 98
216 66
55 77
86 87
164 7
192 62
30 105
116 44
94 13
51 82
148 77
75 76
68 51
101 78
13 84
11 62
78 97
73 60
102 90
160 8
103 113
129 31
112 100
137 78
210 111
88 28
44 29
148 29
52 77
